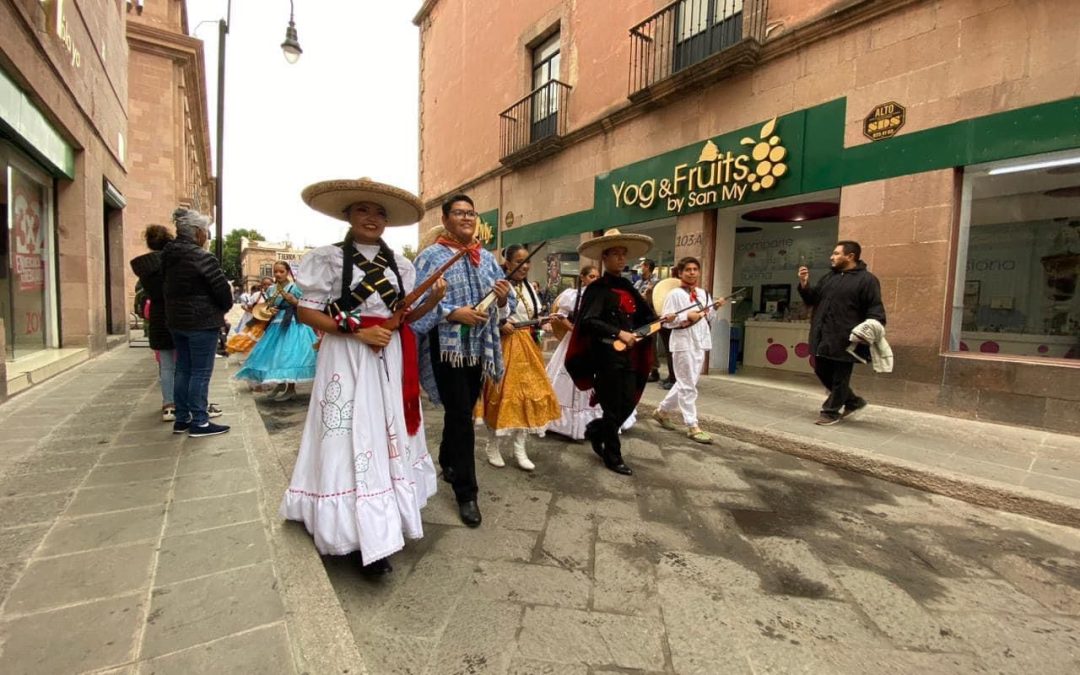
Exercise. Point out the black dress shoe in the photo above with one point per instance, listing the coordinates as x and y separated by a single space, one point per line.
620 467
448 475
377 568
592 434
470 513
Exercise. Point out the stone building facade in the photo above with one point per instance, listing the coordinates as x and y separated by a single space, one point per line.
102 131
169 146
944 135
257 258
63 138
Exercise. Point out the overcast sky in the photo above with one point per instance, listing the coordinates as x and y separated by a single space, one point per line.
346 109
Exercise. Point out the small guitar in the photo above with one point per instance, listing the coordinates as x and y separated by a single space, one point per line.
654 327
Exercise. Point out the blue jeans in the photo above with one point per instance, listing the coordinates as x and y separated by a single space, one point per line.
194 366
167 374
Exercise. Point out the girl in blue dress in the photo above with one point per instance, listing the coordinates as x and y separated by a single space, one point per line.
285 354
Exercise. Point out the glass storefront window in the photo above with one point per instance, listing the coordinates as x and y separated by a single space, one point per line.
1019 259
25 269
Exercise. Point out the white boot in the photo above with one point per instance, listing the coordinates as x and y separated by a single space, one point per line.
519 453
493 454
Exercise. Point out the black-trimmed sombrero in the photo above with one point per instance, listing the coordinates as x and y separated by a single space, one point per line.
332 197
636 245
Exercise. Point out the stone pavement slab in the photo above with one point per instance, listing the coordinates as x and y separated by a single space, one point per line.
1027 471
127 549
729 558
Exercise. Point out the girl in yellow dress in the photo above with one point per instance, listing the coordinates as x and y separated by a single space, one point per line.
523 402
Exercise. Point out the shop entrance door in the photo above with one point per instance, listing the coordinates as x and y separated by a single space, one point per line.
115 304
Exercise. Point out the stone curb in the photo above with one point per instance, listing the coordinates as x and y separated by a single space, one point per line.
320 637
980 491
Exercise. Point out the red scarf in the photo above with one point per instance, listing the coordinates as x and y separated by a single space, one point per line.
410 390
473 248
692 290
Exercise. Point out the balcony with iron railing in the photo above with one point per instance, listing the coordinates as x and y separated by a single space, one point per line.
691 42
535 126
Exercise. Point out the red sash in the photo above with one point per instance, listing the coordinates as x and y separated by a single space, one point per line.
410 390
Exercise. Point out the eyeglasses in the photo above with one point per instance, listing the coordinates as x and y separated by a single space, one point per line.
458 213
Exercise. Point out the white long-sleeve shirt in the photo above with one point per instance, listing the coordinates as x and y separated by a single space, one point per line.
697 337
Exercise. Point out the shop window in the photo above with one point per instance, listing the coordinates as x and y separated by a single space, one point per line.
25 254
1019 259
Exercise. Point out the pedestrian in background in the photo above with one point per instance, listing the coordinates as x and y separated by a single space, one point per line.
197 295
845 297
691 340
148 268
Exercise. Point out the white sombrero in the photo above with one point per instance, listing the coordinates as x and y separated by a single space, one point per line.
332 197
636 245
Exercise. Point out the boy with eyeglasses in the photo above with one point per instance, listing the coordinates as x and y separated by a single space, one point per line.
460 345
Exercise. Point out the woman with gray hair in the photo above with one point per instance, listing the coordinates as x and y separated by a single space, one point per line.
197 295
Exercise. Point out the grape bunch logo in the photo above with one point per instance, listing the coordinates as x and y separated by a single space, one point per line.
769 155
719 176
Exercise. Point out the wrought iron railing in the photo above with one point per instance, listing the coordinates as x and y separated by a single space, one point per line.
540 115
687 32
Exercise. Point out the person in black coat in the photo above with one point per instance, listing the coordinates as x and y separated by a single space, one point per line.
148 268
197 295
611 308
841 300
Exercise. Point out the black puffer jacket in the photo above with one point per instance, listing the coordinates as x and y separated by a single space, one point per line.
148 268
841 301
197 294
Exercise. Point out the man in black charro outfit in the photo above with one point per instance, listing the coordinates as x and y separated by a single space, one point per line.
610 310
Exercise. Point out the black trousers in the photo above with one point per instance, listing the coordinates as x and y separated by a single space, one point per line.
616 389
836 376
459 388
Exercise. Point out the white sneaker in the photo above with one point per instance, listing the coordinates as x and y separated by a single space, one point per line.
168 414
213 410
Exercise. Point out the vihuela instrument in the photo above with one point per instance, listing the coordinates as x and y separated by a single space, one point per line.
650 328
263 311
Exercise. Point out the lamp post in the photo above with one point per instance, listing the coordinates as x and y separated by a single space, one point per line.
292 51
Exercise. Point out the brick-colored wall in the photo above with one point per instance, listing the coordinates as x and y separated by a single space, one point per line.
945 61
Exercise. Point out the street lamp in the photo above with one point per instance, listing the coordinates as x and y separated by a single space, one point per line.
292 51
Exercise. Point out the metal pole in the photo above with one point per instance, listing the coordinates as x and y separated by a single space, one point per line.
223 30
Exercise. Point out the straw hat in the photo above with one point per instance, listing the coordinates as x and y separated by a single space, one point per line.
430 236
332 197
636 245
660 292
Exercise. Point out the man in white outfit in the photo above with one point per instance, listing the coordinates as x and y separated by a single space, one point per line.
690 341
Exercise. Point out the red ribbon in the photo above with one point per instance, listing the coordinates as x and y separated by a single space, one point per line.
692 290
473 248
410 390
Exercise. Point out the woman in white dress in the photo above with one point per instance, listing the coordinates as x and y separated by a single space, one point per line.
576 411
363 471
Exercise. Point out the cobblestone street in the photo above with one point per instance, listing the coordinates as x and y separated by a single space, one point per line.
722 559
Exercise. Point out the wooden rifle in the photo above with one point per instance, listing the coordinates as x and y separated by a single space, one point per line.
653 327
398 317
485 304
